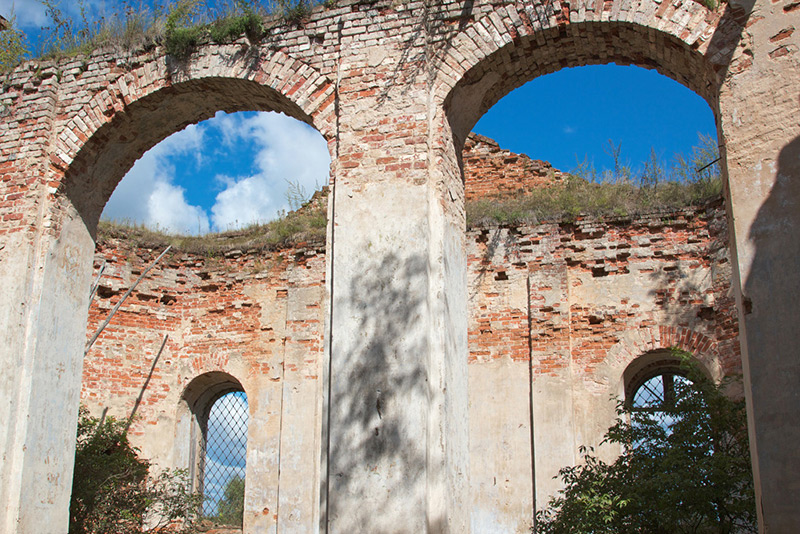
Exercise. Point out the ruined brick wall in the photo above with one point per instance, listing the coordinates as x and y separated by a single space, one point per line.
256 316
556 314
215 311
395 87
491 171
591 281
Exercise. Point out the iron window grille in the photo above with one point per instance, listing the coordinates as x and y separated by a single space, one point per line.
223 458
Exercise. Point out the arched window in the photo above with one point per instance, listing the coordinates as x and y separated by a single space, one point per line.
657 393
224 458
214 428
652 382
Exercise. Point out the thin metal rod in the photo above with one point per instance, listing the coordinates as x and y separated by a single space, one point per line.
707 165
97 282
146 383
125 296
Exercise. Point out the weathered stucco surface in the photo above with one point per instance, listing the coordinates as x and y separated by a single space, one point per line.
257 318
394 88
556 314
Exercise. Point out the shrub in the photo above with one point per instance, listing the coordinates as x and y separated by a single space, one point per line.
230 509
113 491
688 473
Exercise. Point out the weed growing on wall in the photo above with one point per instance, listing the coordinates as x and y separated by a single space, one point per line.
128 25
179 25
617 192
307 224
12 46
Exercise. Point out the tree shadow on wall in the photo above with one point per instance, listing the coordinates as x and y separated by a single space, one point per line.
726 39
492 239
378 400
432 31
678 291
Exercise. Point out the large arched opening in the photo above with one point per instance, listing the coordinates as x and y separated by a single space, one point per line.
482 69
103 129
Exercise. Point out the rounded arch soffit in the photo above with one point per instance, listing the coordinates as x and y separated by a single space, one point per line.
103 139
481 66
201 393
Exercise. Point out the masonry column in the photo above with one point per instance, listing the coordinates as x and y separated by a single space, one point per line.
760 121
45 270
397 452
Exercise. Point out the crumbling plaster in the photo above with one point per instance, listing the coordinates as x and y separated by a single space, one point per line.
394 88
610 290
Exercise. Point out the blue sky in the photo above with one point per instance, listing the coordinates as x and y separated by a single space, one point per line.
570 115
234 170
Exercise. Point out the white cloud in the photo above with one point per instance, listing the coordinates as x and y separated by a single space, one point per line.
146 193
288 151
281 149
243 202
227 425
168 210
29 13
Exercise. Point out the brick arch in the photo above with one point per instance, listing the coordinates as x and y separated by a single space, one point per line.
202 390
516 43
100 141
634 344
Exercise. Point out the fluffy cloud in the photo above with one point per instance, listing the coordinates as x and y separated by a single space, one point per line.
288 152
167 209
29 13
280 151
146 195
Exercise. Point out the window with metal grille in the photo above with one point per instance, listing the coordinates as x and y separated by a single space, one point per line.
224 457
656 395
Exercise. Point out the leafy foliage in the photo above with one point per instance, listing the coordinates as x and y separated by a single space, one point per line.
230 509
616 192
190 23
689 475
12 46
113 492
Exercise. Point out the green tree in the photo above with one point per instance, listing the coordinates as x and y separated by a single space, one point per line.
112 491
690 474
230 510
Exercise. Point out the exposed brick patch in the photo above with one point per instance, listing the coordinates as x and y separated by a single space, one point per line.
215 310
591 283
783 50
491 171
791 7
561 294
783 34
